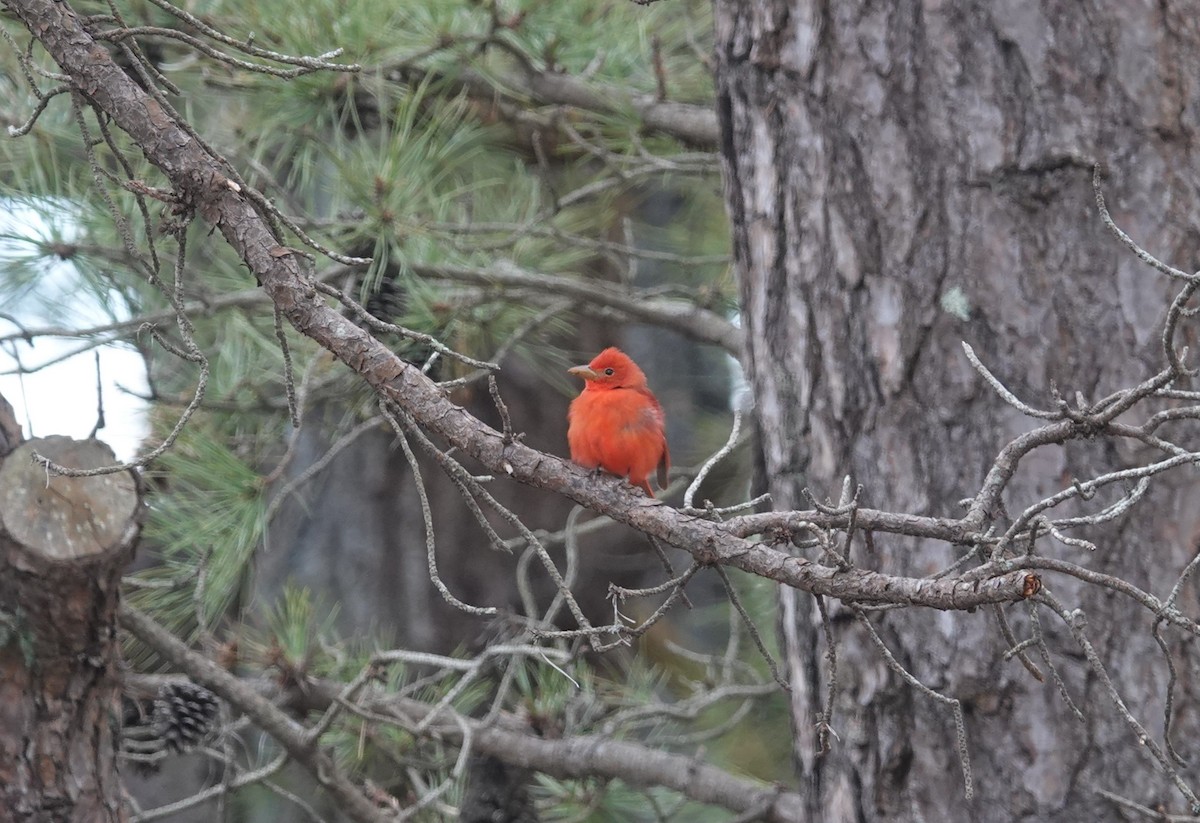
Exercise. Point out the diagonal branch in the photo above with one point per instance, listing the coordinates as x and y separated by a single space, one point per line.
596 756
292 736
200 180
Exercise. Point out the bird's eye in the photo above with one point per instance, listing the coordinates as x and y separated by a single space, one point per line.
609 372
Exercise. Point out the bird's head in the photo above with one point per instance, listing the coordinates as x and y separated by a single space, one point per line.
610 369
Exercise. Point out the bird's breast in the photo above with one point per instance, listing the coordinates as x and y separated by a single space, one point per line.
616 410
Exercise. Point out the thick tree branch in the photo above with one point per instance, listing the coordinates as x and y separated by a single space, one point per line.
593 756
868 520
199 178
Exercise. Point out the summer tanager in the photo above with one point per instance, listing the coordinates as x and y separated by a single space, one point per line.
616 423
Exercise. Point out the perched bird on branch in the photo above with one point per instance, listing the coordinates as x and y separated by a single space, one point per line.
616 423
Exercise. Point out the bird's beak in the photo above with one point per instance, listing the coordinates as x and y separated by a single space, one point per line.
583 371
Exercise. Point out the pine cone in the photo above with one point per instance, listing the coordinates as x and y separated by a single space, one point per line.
185 715
496 793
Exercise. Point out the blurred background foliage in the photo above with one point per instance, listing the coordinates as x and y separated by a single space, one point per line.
429 159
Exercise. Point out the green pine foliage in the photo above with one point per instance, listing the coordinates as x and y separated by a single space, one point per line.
205 524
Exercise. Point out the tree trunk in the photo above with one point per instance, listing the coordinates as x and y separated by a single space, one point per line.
63 543
902 177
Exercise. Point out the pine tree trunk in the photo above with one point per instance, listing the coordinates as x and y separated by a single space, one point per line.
63 543
902 177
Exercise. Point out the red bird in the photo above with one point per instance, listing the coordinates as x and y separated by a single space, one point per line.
616 423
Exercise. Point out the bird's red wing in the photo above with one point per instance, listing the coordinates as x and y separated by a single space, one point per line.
656 420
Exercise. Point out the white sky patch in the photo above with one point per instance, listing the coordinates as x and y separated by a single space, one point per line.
741 396
61 398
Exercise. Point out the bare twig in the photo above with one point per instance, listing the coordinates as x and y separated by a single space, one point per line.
319 465
1126 240
825 720
716 458
1016 649
1004 394
1075 622
954 704
289 382
752 630
169 810
427 516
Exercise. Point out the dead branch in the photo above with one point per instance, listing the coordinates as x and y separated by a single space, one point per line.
292 736
505 739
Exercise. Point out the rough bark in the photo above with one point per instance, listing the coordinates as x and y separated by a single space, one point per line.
902 177
63 543
10 429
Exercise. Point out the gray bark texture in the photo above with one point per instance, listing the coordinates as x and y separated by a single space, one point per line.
63 543
903 177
